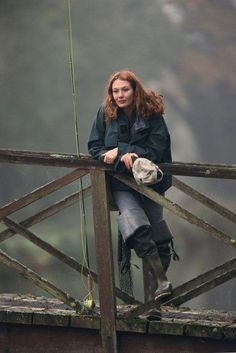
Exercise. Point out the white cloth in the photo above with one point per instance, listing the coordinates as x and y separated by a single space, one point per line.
146 172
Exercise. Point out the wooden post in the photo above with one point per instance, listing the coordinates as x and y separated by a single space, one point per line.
104 257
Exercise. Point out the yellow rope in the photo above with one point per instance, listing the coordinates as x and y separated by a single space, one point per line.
83 225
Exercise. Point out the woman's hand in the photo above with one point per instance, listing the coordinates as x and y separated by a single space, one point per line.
110 156
127 159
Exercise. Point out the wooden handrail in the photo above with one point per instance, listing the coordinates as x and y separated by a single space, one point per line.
84 164
84 161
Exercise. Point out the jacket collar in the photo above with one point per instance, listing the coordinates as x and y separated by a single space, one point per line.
139 125
138 128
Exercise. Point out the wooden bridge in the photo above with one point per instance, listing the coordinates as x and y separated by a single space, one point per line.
64 323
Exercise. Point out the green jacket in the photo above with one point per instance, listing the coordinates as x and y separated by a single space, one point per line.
148 138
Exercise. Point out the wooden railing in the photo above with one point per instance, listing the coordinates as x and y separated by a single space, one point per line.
101 212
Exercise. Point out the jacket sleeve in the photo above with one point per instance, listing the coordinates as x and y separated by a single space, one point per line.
154 145
96 145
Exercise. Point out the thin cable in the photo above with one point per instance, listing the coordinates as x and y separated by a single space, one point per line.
76 128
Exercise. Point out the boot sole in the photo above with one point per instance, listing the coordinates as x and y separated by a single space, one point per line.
163 294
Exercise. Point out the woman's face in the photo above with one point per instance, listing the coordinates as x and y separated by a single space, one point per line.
123 94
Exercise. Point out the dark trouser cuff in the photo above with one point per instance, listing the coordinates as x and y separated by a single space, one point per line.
142 242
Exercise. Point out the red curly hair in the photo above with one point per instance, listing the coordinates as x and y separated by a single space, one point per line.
147 101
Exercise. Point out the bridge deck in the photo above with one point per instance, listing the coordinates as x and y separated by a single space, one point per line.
27 321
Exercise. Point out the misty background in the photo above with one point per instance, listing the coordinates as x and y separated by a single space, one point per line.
185 50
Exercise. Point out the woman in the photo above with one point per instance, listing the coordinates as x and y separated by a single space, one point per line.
129 125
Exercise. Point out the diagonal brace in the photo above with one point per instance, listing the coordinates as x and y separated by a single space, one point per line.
176 209
190 289
41 282
47 212
188 190
41 192
68 260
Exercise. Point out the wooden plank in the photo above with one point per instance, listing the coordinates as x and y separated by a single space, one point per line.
203 329
207 170
48 339
131 325
177 210
191 289
222 171
51 159
188 190
189 314
230 332
104 257
21 338
40 192
203 283
47 212
59 254
46 318
216 325
41 282
80 321
168 327
16 316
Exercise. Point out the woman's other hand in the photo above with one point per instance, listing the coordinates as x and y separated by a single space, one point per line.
110 156
128 159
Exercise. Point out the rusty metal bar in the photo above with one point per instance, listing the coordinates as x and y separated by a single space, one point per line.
177 210
105 270
204 199
41 192
191 289
41 282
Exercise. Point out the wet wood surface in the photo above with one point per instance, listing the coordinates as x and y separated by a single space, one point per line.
50 326
32 310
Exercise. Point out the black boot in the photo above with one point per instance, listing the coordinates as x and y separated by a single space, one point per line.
162 236
145 247
158 279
